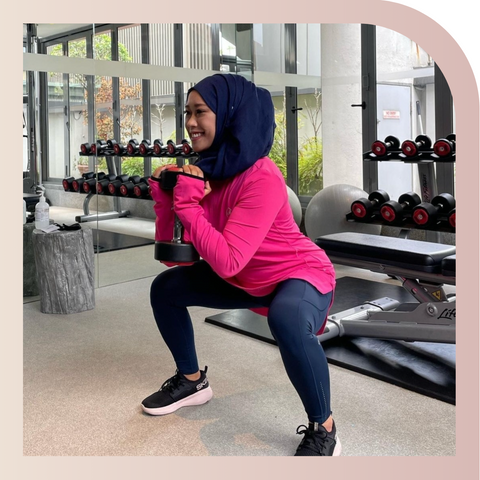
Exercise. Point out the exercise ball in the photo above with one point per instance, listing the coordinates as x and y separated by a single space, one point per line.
295 205
327 210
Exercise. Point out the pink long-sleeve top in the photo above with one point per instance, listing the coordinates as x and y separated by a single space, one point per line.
244 228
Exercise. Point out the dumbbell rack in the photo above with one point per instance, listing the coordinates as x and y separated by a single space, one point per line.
112 149
425 159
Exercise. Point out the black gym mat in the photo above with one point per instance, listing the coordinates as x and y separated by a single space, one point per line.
104 241
425 368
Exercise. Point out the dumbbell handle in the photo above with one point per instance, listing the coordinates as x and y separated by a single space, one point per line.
177 230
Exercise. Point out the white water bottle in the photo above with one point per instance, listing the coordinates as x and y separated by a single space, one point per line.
42 213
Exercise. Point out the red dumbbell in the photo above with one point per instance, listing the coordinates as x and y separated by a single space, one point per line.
67 184
127 187
119 149
86 149
114 185
427 214
412 148
391 144
395 212
145 148
366 208
142 189
77 184
158 147
184 148
445 147
132 147
103 182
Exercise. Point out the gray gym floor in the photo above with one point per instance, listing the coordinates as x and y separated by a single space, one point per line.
85 375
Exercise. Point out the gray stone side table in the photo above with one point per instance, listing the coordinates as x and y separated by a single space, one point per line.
64 260
30 287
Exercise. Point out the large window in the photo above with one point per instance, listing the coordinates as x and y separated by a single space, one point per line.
57 120
312 71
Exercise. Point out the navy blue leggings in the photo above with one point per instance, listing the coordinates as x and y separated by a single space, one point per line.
297 310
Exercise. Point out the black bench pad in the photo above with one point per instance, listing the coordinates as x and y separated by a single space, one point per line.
398 252
449 266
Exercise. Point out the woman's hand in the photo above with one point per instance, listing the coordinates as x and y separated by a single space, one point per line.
194 170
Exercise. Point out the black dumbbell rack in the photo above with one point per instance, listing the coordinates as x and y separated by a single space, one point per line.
425 157
111 149
441 225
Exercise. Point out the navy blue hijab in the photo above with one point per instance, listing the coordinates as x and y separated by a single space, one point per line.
245 124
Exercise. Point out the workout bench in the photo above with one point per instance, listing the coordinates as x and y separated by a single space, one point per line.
422 267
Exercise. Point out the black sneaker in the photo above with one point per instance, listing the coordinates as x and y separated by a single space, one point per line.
318 442
178 392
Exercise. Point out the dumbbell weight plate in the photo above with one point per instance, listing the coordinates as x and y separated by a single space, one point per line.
379 196
411 198
424 213
452 221
394 141
445 200
126 189
168 178
359 208
89 185
175 252
391 211
425 141
67 184
443 147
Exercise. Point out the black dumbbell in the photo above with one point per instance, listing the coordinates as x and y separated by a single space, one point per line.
176 251
142 189
114 185
126 188
158 147
427 214
366 208
445 147
391 144
103 182
89 185
145 148
101 148
67 184
111 143
86 149
119 149
412 148
183 149
132 147
395 212
77 184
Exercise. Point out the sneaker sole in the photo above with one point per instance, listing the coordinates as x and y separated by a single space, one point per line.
338 448
199 398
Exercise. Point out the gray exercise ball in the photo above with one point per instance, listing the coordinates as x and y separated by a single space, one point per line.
295 205
327 210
